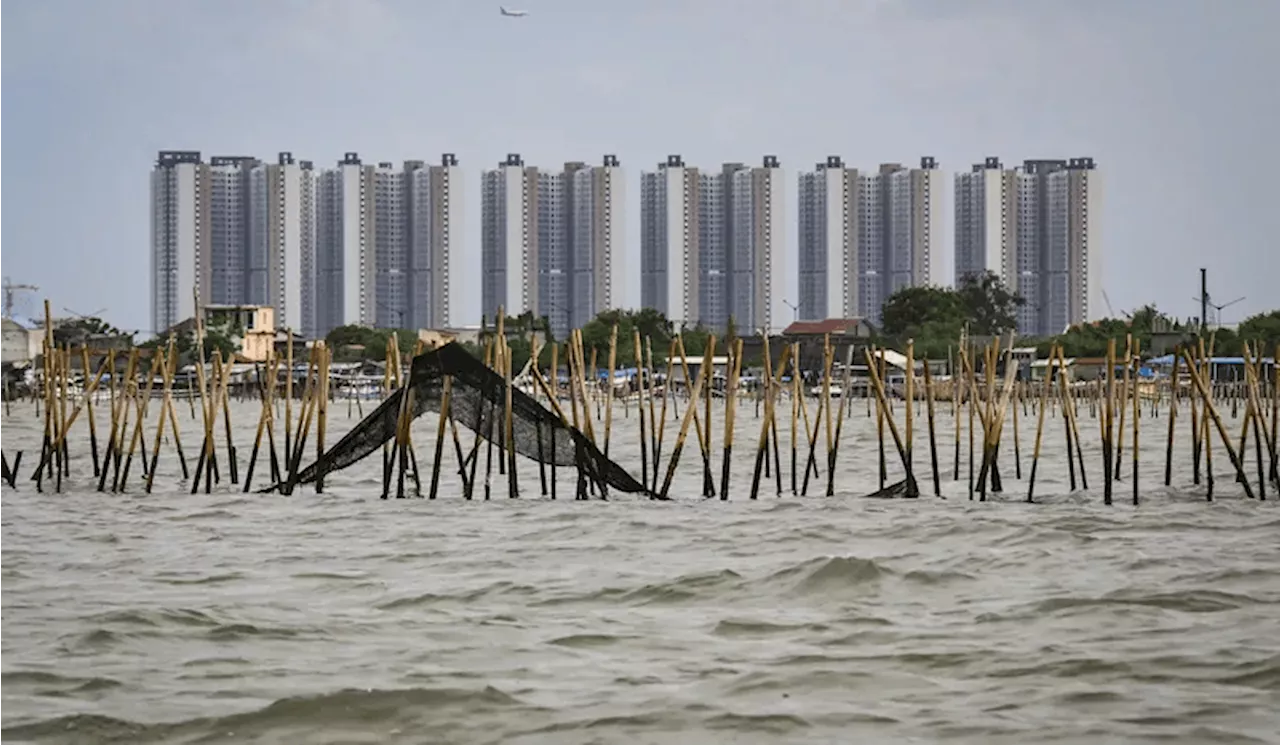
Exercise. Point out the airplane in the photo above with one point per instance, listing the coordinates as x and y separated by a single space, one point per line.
512 13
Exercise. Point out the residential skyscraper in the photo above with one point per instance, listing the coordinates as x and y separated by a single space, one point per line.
713 245
180 237
508 238
551 241
346 259
760 270
670 212
864 236
435 243
597 239
386 238
986 220
829 226
234 230
282 229
1034 226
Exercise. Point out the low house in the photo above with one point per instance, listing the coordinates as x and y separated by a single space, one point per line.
251 327
719 369
809 334
22 344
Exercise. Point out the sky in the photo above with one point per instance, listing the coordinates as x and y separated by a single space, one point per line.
1172 98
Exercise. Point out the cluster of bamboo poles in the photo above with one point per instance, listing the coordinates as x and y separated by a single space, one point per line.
976 394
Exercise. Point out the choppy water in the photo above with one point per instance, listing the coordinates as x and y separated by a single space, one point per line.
341 618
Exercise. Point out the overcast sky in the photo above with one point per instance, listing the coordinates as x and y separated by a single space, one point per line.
1172 97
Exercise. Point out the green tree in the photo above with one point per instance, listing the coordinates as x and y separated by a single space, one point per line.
651 324
353 343
911 308
1262 332
990 306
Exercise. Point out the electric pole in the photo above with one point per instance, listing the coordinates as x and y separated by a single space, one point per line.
9 289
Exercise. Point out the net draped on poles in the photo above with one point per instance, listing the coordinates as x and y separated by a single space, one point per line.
477 402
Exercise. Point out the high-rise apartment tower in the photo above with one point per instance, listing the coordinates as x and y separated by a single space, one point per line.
865 235
552 243
713 245
1034 226
234 231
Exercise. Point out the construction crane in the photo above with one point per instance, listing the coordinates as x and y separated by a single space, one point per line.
9 289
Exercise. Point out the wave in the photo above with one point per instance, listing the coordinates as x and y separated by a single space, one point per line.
154 617
688 587
587 641
744 628
828 577
173 578
43 683
1187 601
339 716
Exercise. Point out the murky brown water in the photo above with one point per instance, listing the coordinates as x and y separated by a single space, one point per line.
344 619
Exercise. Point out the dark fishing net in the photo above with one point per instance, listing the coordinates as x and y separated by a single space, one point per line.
477 400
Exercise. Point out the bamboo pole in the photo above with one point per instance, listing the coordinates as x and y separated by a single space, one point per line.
1236 462
1107 423
263 414
731 410
647 384
1275 416
553 395
878 381
1035 453
141 420
1123 401
667 393
121 407
689 414
640 385
844 405
608 388
1134 361
322 416
957 402
166 409
542 464
770 406
810 460
508 431
708 361
64 373
1173 418
909 382
933 438
797 403
303 426
436 465
88 402
206 451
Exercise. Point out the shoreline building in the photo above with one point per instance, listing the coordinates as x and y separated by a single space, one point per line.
282 233
180 237
986 224
670 208
345 263
386 236
601 271
553 243
865 235
508 238
235 230
1035 226
713 245
435 243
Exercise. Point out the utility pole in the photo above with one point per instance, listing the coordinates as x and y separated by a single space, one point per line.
1204 300
9 289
